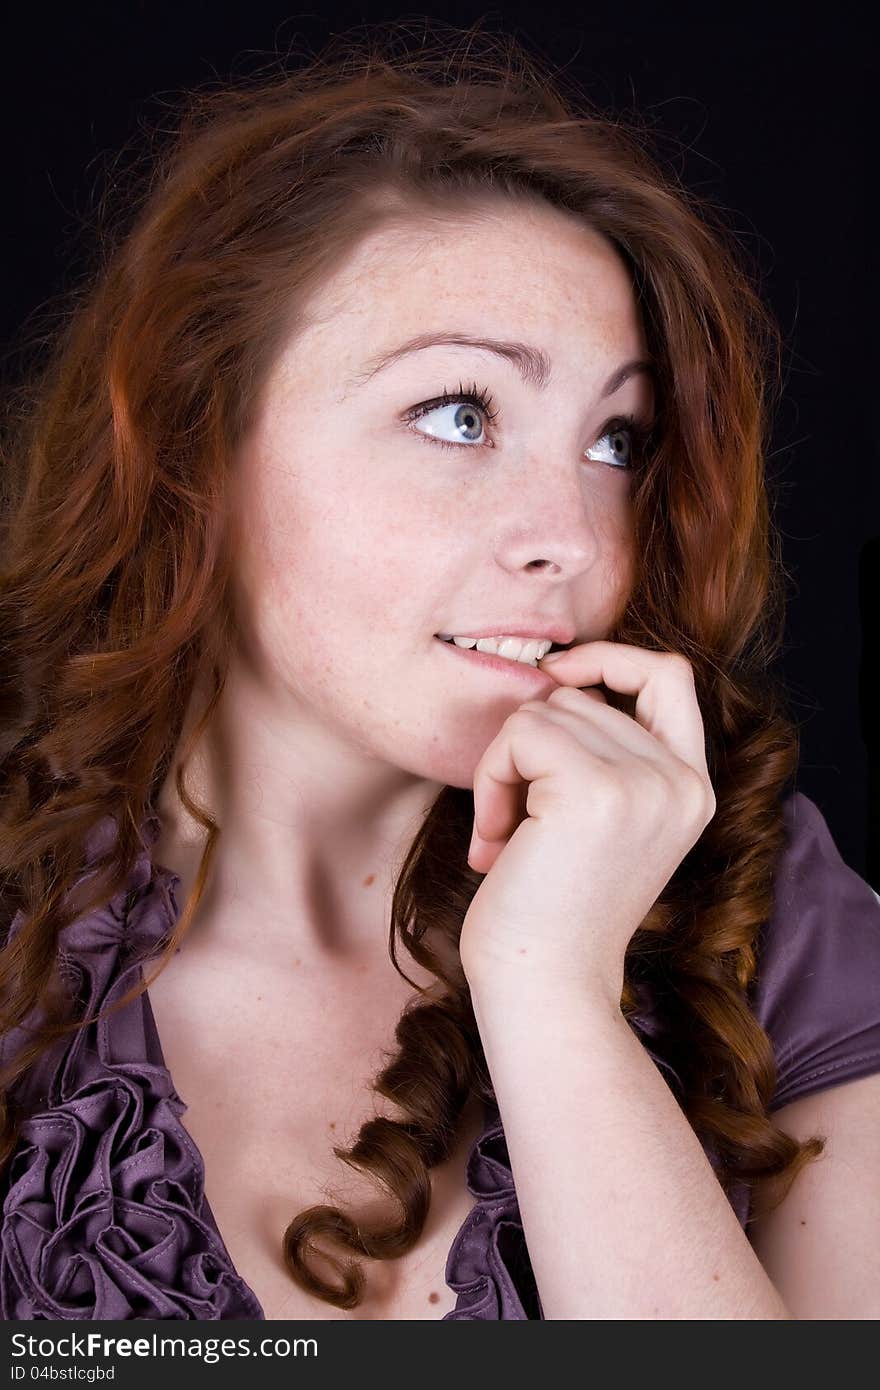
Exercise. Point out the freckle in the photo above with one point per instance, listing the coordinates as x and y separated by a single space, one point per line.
716 1276
803 1223
332 1124
433 1297
370 879
259 998
296 962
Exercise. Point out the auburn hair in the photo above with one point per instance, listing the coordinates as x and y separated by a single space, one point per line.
116 570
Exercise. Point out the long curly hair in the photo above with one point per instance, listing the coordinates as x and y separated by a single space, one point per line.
117 562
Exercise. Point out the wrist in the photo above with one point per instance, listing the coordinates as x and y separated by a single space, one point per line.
518 983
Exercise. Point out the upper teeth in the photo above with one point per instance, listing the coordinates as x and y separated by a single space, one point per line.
529 650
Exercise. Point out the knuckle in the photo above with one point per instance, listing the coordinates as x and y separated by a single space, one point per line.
681 663
527 707
564 695
699 795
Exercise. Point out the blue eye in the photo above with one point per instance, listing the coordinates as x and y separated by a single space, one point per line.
471 404
615 430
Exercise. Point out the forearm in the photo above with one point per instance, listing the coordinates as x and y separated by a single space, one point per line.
623 1215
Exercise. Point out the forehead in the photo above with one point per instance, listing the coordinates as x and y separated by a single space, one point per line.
507 271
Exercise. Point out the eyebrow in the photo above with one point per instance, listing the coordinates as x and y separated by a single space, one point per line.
532 364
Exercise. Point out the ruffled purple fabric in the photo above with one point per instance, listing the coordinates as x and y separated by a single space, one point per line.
488 1264
104 1211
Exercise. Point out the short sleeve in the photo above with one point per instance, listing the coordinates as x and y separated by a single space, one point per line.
817 988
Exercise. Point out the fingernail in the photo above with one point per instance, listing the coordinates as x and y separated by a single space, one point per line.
551 656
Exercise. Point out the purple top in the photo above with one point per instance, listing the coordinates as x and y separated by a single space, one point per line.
104 1209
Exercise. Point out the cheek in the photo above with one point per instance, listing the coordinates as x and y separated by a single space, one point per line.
622 580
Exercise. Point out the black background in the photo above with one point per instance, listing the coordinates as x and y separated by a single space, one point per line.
766 112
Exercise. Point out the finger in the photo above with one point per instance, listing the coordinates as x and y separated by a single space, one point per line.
662 682
509 765
498 800
600 729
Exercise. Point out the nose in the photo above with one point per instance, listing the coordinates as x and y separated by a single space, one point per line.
558 528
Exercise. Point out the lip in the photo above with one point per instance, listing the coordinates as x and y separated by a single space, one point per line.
536 628
514 670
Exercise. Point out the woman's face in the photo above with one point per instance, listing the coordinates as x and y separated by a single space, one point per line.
362 537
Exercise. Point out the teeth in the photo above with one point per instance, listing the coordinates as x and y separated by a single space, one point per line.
529 651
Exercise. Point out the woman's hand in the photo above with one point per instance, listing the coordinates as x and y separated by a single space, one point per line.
582 816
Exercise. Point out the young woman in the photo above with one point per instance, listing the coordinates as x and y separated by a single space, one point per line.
354 971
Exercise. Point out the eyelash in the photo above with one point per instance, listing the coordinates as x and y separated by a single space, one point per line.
639 432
